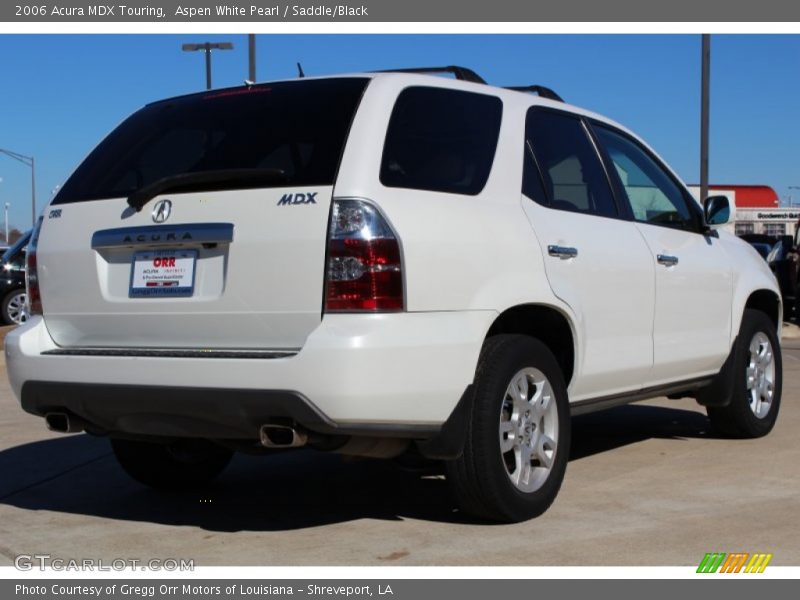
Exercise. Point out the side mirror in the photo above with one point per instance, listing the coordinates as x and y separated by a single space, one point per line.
717 211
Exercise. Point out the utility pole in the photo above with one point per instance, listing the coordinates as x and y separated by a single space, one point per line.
251 54
207 47
791 195
705 92
1 181
30 162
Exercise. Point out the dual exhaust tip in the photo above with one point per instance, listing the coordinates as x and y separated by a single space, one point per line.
270 435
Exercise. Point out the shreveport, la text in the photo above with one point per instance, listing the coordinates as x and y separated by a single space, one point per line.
241 589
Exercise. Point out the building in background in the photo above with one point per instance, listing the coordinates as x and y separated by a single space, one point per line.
758 209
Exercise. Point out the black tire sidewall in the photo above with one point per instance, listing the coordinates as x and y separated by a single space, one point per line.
744 420
513 356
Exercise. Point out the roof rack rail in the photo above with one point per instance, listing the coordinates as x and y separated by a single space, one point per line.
461 73
543 92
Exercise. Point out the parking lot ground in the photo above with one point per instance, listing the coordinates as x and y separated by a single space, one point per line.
647 484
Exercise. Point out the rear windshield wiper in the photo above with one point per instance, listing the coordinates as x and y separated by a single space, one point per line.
205 181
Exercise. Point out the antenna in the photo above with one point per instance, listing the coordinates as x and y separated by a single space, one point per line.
300 72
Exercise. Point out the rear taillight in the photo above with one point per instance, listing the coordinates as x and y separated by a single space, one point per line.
32 273
364 270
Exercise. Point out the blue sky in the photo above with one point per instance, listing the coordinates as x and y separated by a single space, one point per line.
61 94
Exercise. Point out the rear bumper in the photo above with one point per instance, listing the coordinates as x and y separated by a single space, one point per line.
194 412
393 374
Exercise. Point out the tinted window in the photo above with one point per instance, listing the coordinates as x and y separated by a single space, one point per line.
299 127
653 195
569 168
441 140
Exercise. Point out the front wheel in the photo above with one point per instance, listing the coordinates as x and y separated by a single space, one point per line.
757 374
177 465
517 445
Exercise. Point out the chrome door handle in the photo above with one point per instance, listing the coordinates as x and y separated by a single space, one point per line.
667 260
562 252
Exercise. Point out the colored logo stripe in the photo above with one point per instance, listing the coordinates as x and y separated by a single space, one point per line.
758 563
734 563
711 562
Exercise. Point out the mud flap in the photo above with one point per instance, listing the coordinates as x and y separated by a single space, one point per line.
720 391
448 444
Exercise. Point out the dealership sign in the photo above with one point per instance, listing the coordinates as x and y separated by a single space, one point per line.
784 216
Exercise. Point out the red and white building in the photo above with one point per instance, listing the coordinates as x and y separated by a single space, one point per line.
758 209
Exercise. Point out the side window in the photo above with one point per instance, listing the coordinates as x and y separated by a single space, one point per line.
569 169
653 195
441 140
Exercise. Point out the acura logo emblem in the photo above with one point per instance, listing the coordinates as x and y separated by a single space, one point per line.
162 211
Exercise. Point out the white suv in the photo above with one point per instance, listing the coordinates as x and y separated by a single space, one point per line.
380 263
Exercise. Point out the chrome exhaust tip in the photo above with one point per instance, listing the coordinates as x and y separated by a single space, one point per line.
282 436
64 422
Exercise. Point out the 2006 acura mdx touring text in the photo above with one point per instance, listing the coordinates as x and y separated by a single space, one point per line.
380 263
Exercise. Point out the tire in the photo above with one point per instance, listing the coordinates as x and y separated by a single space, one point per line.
185 464
13 308
490 482
757 381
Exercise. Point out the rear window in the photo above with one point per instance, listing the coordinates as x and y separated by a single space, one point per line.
298 127
441 140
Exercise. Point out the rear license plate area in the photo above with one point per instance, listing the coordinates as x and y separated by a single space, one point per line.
163 273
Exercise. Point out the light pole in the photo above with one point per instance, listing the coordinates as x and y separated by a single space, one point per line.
705 95
207 47
251 55
29 161
1 181
791 196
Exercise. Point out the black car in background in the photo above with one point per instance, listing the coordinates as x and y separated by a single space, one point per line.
12 283
781 254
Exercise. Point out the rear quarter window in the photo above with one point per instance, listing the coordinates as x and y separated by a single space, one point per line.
441 140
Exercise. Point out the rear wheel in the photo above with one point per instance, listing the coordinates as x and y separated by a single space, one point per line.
518 440
13 309
183 464
758 378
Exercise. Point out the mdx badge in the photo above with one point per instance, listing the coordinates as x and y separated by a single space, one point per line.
307 198
162 211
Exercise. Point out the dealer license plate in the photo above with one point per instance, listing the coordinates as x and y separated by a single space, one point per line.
163 273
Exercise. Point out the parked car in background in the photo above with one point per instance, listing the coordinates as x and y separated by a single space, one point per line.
783 261
781 255
762 248
12 283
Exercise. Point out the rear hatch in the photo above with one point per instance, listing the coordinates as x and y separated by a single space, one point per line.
200 222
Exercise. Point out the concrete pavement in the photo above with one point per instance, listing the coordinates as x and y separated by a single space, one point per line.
647 484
